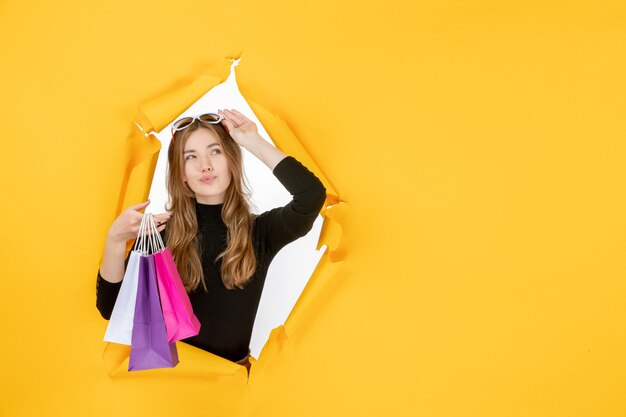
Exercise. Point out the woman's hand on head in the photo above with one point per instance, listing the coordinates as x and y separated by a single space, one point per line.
240 128
126 226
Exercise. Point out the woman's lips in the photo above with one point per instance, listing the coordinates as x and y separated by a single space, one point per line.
207 180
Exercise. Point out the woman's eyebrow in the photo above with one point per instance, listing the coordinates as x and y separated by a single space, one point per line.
209 146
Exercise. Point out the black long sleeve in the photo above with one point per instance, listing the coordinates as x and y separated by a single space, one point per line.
283 225
227 316
106 293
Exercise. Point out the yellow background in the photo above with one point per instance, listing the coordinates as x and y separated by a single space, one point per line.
479 146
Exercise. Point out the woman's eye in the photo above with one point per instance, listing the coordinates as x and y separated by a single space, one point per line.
189 157
216 152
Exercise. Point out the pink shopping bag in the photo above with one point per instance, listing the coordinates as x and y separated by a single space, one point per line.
180 321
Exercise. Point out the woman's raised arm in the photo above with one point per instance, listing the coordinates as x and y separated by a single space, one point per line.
245 133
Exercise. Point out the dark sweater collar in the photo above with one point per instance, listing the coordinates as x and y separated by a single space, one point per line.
209 213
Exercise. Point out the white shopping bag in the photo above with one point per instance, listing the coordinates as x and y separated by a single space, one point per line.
120 326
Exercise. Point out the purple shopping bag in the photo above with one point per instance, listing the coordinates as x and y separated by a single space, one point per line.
149 346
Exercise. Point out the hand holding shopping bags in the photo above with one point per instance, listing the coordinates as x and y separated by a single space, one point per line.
151 287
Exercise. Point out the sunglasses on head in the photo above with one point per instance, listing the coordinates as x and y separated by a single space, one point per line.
185 122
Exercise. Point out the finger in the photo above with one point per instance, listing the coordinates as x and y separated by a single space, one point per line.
240 115
229 125
140 206
132 219
241 119
135 221
137 218
159 230
235 118
226 120
134 230
160 221
138 209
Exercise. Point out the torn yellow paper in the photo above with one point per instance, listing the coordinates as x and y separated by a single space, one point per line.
154 116
193 362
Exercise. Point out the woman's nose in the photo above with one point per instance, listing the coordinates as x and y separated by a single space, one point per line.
206 164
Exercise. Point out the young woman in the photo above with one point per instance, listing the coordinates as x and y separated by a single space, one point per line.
221 250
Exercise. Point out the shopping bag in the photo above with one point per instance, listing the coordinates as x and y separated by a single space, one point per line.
180 321
149 345
120 325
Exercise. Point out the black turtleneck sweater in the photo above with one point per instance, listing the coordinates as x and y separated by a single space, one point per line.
227 316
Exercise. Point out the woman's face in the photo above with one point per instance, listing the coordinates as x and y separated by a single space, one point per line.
206 168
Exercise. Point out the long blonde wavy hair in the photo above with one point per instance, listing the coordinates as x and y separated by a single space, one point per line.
238 259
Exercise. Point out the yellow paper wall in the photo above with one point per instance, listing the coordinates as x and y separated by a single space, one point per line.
479 146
